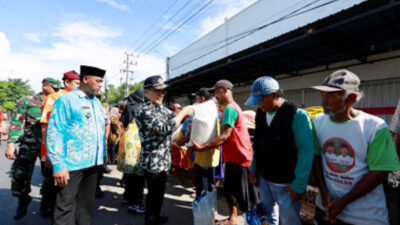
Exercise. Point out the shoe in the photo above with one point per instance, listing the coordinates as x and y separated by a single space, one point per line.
99 193
136 209
124 202
161 220
156 221
106 170
121 183
22 207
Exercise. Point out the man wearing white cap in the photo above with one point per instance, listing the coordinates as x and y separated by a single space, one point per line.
283 152
351 192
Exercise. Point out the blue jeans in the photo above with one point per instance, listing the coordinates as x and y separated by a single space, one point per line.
278 205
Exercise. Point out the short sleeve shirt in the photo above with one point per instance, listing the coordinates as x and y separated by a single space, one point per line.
230 116
358 146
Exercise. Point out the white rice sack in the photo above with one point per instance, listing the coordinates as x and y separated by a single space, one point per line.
204 123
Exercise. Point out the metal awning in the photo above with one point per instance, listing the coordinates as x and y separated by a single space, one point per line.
367 29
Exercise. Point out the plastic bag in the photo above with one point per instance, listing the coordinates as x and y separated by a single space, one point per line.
256 217
129 150
204 208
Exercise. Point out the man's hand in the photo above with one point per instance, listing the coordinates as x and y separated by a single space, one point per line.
11 152
335 207
293 195
253 179
61 178
326 201
186 111
196 146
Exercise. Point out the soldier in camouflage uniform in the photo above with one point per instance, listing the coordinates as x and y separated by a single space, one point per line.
25 129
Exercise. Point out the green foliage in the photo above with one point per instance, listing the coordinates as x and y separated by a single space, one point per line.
116 94
11 91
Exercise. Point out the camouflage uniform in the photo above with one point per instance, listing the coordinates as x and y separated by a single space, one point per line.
25 129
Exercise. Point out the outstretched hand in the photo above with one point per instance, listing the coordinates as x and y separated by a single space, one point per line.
196 146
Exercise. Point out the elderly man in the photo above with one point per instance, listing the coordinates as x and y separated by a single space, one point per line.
156 123
71 82
25 129
76 147
351 193
393 186
237 153
283 146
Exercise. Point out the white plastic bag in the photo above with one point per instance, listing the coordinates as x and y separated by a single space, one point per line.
204 208
204 123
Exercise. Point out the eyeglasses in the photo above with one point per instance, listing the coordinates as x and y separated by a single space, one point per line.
160 92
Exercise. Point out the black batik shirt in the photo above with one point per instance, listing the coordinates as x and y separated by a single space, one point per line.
155 123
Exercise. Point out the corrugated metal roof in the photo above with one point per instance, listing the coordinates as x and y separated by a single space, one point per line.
355 35
260 22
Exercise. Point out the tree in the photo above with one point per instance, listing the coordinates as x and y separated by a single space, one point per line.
11 91
116 94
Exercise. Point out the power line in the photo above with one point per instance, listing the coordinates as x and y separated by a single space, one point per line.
165 23
116 75
154 23
174 30
242 35
212 44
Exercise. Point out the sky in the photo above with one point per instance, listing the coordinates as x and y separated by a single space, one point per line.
45 38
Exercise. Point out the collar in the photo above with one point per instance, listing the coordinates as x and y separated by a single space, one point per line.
81 93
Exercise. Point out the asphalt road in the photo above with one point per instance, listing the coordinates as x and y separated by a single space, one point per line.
107 210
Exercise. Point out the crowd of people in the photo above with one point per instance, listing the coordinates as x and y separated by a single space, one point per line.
349 153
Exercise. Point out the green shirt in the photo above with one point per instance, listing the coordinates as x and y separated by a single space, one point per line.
230 116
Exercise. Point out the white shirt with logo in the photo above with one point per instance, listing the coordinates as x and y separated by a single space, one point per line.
343 172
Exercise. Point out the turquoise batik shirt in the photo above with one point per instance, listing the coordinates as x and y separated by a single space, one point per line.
76 132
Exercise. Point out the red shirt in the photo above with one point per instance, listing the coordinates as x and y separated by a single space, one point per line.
238 149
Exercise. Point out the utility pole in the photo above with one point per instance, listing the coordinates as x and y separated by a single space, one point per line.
127 71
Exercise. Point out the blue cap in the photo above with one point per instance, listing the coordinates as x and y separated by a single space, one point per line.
261 87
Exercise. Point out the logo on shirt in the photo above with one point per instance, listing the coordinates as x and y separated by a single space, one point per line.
339 155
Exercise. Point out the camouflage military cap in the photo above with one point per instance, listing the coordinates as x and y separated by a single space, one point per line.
53 82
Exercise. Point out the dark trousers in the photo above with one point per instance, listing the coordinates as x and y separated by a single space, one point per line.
134 186
319 219
75 201
48 189
156 183
204 179
238 189
393 203
112 151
